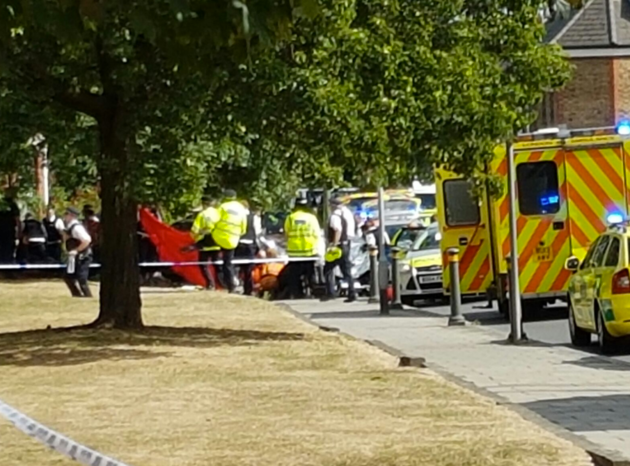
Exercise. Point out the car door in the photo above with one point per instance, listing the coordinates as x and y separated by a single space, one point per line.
609 268
593 281
577 286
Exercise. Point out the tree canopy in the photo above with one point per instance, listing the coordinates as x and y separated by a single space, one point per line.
266 95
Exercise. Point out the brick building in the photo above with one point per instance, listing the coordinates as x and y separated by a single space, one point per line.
597 40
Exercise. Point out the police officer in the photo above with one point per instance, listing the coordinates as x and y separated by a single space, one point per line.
34 238
79 254
54 228
248 247
341 229
201 230
227 232
302 232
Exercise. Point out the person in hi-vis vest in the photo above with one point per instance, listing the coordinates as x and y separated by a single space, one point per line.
303 233
201 231
231 225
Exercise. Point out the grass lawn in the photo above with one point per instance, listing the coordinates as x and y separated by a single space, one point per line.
225 380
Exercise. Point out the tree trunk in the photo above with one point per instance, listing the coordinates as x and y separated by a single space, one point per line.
120 303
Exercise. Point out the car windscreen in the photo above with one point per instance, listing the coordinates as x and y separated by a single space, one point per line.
428 239
427 201
407 237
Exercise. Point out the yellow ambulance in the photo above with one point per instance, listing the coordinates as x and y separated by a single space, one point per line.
568 184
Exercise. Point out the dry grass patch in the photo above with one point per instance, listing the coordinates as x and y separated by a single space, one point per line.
225 380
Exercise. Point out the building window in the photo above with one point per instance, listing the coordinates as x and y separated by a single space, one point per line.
460 205
538 190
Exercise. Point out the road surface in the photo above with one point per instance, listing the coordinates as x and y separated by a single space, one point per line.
550 326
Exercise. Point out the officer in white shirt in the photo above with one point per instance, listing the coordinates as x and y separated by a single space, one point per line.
78 247
341 229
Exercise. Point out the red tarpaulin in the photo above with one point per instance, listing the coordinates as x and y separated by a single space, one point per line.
169 243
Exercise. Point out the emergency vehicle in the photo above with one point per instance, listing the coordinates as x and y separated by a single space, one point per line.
568 183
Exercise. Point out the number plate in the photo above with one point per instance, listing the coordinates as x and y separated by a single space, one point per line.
543 254
430 279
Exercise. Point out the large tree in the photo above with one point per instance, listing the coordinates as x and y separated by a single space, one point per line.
142 70
378 89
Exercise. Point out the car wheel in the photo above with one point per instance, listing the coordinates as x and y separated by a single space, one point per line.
579 337
607 343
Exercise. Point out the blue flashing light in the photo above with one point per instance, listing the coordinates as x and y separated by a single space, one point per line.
549 200
623 128
615 219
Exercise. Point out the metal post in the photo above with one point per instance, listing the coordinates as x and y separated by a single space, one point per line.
516 315
383 278
396 301
456 317
373 275
45 175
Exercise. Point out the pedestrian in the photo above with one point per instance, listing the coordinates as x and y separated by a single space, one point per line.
92 224
341 228
303 233
34 240
227 232
79 251
372 234
9 229
201 231
248 247
54 230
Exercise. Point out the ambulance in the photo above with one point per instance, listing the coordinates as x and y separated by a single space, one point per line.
568 183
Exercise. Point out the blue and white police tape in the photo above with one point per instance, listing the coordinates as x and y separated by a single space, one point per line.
278 260
54 440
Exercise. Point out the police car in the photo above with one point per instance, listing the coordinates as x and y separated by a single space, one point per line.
599 290
421 267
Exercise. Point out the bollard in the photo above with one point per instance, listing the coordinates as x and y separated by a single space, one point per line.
396 300
456 317
373 275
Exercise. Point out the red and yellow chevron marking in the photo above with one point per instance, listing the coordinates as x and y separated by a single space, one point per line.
542 250
596 188
474 266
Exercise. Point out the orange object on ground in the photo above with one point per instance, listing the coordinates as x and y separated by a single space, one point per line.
266 276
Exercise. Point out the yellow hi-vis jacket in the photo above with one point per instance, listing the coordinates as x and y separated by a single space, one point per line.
231 226
203 225
303 233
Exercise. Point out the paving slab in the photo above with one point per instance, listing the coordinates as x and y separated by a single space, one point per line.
583 394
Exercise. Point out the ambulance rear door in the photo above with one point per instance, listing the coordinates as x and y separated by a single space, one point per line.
596 187
542 219
463 225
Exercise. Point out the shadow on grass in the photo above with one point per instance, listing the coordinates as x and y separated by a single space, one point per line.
75 346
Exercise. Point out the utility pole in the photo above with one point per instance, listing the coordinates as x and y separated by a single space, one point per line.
516 313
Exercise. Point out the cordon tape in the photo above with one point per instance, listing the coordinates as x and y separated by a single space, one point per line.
56 441
279 260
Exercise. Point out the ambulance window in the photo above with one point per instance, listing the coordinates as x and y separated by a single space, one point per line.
612 258
600 250
538 190
460 205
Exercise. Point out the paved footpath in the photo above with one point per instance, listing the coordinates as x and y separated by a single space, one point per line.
585 394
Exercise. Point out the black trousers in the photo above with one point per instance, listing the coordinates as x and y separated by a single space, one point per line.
77 282
247 252
345 265
36 253
7 249
228 269
53 251
207 269
299 273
